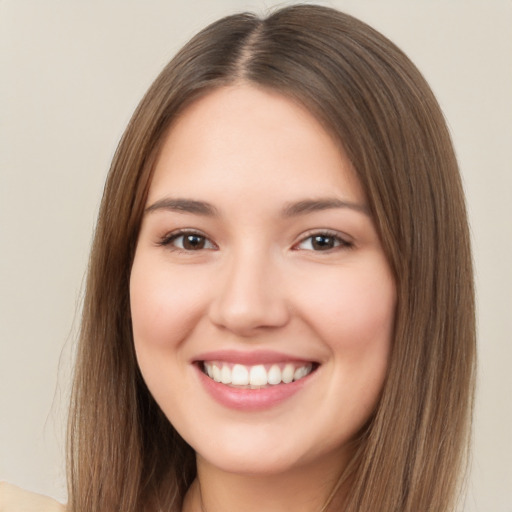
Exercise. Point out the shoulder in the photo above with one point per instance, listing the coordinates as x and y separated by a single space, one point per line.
14 499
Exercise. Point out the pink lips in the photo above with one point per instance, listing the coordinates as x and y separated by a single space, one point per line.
248 358
249 399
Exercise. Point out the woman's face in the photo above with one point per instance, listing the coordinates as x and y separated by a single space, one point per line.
261 299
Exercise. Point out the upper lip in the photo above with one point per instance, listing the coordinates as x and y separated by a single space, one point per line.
249 358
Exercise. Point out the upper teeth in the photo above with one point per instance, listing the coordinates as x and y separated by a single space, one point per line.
257 375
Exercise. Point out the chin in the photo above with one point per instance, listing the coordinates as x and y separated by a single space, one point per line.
254 464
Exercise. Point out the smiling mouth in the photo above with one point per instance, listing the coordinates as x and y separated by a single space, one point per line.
257 376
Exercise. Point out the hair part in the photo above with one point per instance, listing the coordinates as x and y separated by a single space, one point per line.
123 452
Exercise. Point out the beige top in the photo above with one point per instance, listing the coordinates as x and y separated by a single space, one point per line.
14 499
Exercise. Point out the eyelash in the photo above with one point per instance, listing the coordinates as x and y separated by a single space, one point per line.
340 242
168 241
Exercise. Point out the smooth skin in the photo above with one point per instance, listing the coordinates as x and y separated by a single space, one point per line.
257 237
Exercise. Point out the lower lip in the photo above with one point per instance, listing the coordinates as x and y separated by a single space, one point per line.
250 399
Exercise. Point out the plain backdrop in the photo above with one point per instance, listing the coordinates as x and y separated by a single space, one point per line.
71 73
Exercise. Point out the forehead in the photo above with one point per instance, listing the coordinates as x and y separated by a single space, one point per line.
246 138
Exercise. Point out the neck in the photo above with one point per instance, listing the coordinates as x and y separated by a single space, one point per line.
304 489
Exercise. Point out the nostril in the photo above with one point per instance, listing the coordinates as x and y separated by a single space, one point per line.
249 316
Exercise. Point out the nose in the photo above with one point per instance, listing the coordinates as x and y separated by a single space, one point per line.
250 297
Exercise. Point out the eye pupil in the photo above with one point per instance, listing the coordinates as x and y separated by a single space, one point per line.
191 242
322 242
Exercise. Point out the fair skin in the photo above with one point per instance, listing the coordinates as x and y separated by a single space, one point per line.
257 251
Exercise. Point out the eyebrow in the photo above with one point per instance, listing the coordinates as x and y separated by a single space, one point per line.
185 206
317 205
290 210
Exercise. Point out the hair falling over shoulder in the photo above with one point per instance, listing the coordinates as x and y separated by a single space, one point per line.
123 454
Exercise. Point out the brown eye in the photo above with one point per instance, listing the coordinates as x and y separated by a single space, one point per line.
323 242
193 242
187 241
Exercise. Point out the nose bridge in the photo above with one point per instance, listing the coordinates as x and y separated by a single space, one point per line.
250 295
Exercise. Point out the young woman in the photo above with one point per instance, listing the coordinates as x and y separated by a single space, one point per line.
279 311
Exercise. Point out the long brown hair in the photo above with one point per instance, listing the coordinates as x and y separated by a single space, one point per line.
123 452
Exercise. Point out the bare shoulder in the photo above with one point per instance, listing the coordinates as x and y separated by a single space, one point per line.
14 499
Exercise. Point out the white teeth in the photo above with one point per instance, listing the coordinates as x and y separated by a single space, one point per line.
288 372
255 376
258 376
300 372
216 373
274 375
239 375
225 374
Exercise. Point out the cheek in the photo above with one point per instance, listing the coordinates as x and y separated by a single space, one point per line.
164 305
355 319
367 314
165 308
354 311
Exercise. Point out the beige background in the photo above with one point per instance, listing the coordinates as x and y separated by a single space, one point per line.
71 72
